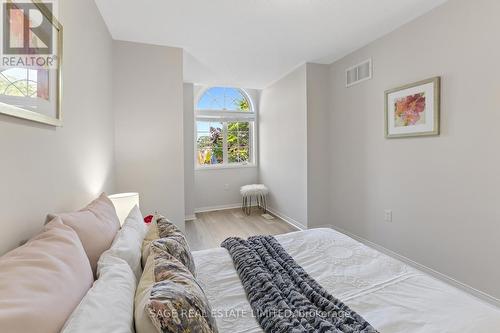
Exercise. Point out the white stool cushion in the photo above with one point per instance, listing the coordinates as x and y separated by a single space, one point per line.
254 189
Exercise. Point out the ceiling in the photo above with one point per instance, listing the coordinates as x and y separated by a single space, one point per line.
252 43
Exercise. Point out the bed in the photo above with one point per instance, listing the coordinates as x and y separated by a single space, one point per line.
389 294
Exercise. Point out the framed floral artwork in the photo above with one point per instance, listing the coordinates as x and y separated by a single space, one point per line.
413 110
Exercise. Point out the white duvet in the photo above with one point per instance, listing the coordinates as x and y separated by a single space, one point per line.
390 295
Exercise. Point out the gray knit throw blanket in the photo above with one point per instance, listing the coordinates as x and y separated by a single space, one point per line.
284 298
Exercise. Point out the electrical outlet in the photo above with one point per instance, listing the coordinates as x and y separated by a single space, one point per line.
388 215
226 187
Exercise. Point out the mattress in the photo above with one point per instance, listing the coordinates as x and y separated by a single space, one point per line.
390 295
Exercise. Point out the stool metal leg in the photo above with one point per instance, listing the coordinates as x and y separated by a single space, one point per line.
247 204
243 203
264 198
260 200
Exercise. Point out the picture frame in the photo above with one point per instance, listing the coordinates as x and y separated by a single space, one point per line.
413 109
41 100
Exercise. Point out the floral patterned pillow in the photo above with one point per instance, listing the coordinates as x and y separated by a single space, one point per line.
173 241
177 303
178 248
166 228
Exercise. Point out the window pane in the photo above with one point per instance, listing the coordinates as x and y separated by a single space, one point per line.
209 143
23 82
223 99
239 154
238 142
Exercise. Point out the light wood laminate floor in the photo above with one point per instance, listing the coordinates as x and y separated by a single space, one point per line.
211 228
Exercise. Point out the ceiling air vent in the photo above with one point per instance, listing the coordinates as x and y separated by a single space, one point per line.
359 73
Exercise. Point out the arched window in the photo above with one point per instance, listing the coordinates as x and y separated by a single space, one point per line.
224 99
225 121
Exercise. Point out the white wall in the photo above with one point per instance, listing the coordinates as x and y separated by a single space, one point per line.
46 169
444 190
318 134
214 188
189 189
211 192
295 134
148 108
283 145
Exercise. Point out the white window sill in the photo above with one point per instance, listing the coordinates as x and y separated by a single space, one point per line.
225 166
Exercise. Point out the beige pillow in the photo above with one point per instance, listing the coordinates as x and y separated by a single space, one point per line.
143 323
96 225
105 210
151 235
43 281
170 299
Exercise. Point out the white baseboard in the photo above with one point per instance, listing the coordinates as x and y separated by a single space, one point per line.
443 277
287 219
190 217
214 208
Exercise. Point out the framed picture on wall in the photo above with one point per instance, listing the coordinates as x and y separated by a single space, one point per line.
30 71
413 110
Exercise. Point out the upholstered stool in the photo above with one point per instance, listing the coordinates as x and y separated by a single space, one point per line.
257 191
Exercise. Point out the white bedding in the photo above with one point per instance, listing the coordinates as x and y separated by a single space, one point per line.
390 295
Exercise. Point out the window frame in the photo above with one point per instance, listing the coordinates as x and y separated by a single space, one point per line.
225 117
